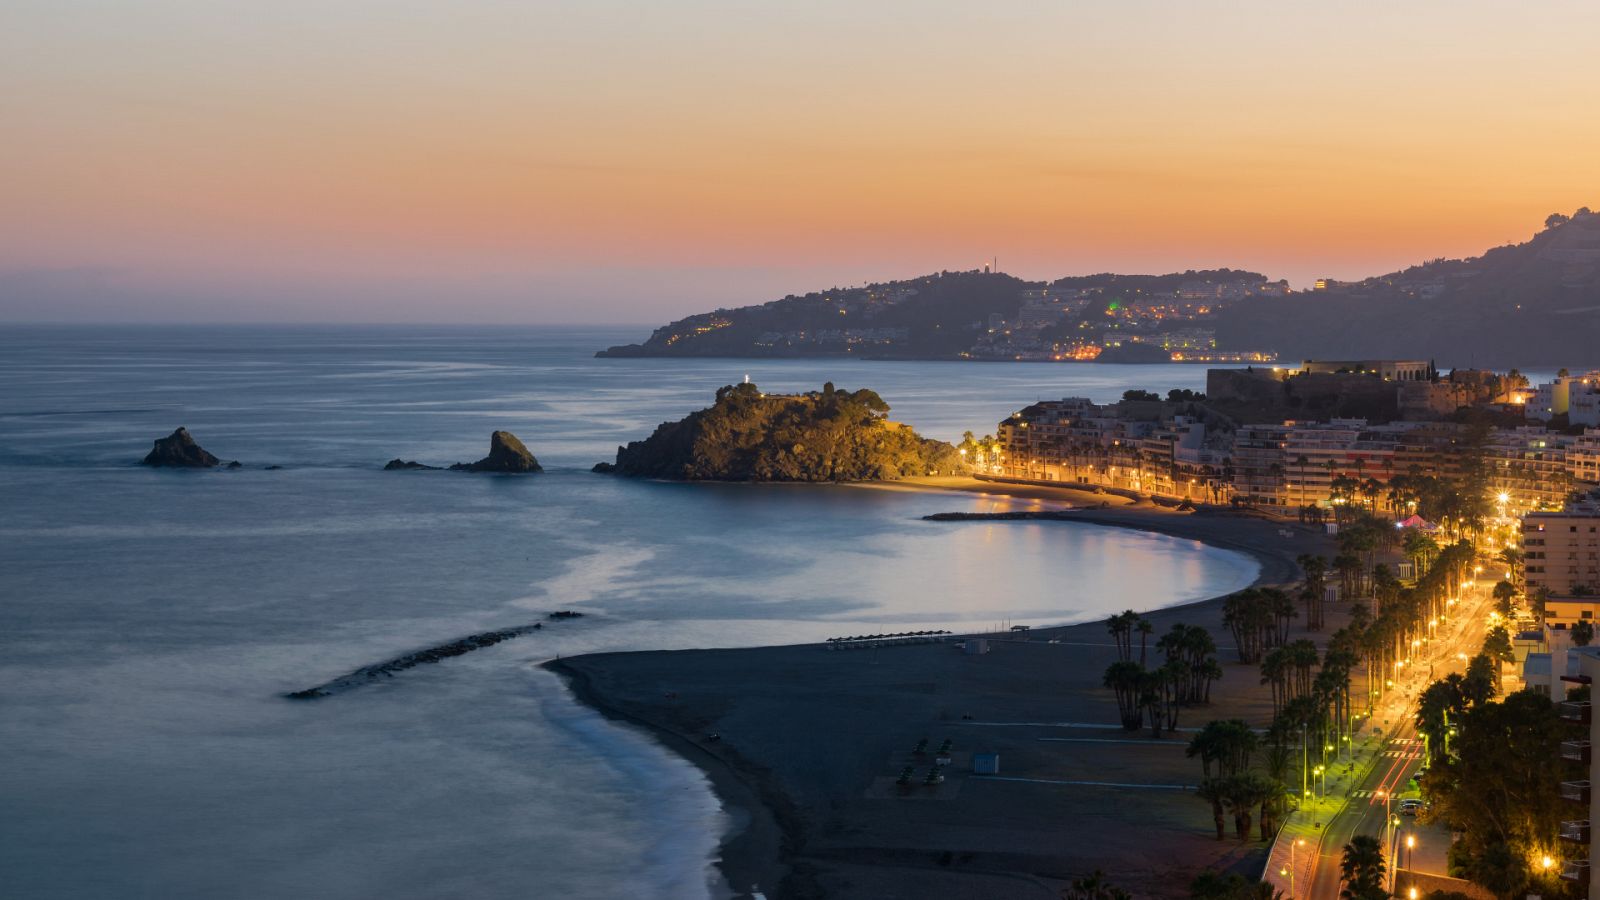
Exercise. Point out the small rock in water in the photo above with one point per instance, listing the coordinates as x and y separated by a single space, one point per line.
179 450
506 454
398 464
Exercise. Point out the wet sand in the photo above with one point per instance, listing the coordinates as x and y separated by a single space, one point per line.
808 743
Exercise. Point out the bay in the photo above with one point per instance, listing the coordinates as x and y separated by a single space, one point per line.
151 620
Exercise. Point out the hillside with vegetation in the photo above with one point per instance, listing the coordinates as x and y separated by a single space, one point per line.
1536 303
1528 304
820 436
945 315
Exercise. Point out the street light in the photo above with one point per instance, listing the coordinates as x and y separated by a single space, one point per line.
1388 845
1298 842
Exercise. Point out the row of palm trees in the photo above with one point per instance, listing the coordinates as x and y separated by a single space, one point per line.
1314 705
1259 620
1157 695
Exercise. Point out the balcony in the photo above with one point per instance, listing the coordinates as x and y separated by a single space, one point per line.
1579 712
1576 870
1575 792
1576 831
1577 679
1575 751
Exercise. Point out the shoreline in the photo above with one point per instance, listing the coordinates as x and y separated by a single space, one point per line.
1278 566
764 849
749 855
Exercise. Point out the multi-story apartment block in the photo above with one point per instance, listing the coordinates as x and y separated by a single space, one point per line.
1257 464
1583 458
1561 556
1528 467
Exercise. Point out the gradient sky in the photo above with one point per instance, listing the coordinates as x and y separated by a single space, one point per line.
397 160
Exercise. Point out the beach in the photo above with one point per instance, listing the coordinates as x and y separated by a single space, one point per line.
803 746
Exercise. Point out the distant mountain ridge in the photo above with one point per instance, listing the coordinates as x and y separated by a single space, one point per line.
1533 303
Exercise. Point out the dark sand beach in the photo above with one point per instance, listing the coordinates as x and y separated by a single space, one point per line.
808 744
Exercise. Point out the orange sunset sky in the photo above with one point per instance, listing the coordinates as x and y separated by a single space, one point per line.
356 160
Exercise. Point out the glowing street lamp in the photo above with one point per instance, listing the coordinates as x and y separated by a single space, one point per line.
1299 842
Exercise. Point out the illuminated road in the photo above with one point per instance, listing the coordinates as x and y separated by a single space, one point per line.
1363 811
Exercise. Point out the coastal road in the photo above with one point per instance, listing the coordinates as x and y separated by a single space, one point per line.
1401 754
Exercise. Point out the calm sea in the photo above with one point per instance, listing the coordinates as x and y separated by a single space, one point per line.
149 620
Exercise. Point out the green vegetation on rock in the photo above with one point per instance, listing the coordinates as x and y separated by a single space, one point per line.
823 436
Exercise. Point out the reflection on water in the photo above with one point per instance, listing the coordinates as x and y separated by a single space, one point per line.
151 618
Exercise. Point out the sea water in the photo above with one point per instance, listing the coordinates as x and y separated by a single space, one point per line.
151 620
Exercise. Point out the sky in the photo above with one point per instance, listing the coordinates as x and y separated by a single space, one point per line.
605 162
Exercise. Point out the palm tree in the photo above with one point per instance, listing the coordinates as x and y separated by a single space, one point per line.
1316 571
1363 869
1282 607
1144 628
1214 792
1241 800
1227 742
1120 626
1513 560
1582 633
1124 678
1504 593
1275 672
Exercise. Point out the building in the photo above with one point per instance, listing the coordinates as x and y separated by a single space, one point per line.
1575 396
1528 469
1583 458
1561 556
1256 464
1387 369
1578 793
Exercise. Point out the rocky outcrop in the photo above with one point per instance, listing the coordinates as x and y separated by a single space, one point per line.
394 465
506 454
178 450
826 436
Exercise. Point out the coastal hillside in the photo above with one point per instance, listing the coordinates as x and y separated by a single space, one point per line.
965 315
1531 303
1536 302
820 436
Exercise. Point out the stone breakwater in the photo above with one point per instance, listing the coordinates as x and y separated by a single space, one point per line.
1021 515
388 669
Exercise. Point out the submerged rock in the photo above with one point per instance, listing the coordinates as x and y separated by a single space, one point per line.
506 454
179 450
399 464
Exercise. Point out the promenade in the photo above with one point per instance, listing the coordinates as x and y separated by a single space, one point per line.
1359 796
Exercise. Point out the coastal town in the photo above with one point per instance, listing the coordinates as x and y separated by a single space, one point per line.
1464 507
1398 707
1264 437
1096 450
